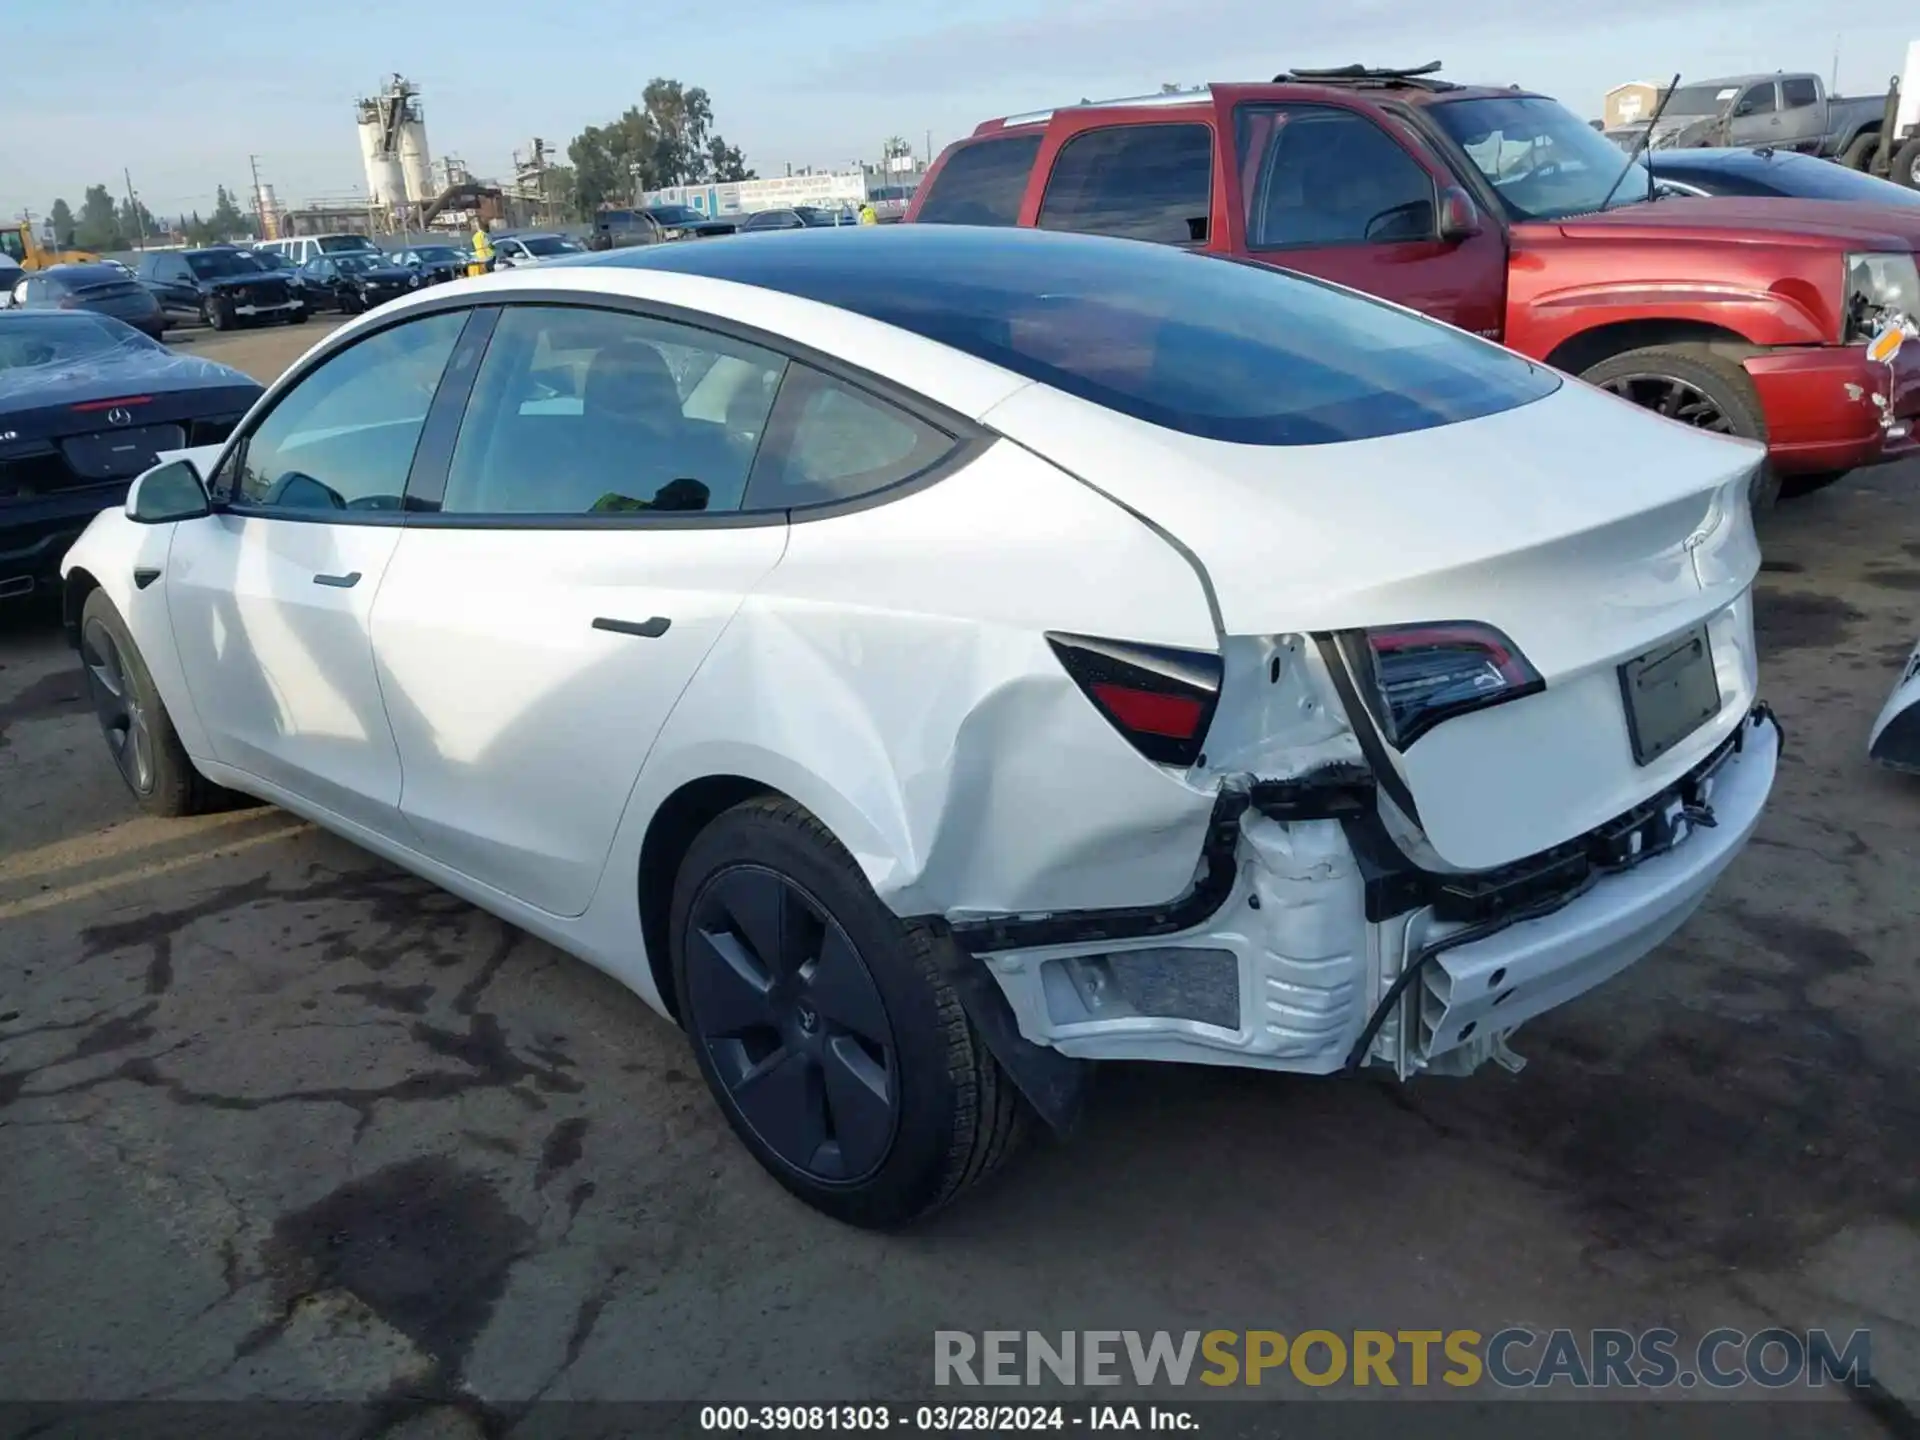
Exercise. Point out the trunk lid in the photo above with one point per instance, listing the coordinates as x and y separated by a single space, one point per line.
1585 529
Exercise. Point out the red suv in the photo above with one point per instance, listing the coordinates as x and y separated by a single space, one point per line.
1501 212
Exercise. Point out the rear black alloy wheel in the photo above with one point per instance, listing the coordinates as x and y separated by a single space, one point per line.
792 1024
117 705
828 1029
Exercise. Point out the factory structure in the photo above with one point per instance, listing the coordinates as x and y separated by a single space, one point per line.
405 190
393 147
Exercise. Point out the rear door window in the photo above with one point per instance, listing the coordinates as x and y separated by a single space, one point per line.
981 183
1796 94
1139 182
1321 175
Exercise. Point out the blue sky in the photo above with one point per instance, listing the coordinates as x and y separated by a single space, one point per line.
181 92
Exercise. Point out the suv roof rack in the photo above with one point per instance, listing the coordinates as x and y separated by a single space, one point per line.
1418 77
1161 97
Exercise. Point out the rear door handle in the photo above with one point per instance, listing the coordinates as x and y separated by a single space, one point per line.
339 582
647 629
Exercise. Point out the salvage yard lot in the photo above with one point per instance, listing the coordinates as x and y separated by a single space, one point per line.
277 1119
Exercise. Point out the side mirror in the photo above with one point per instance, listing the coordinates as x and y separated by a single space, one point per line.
173 491
1459 216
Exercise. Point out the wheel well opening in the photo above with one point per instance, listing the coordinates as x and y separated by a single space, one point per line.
686 812
74 591
1583 351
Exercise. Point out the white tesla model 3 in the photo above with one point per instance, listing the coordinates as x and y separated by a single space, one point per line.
924 660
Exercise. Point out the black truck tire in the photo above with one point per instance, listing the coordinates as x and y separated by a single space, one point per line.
1859 153
1904 168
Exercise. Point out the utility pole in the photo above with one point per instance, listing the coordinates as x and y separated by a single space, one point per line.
259 202
133 213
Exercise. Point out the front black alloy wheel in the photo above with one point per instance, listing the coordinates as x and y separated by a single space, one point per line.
116 704
139 733
792 1024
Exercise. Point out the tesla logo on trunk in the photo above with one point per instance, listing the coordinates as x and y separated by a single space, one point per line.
117 416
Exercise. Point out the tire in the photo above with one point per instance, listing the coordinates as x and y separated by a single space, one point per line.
1794 486
140 735
856 1003
219 314
298 317
1688 383
1904 168
1859 154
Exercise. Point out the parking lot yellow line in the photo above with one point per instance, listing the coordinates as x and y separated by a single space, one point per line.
139 833
13 909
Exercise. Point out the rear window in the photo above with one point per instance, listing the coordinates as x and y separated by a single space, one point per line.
1141 182
345 244
1224 349
981 183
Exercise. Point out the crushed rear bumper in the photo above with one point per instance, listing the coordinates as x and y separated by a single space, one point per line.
1303 965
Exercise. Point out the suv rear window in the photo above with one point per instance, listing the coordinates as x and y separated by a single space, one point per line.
981 183
1141 182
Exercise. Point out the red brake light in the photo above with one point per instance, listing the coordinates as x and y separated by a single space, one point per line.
1161 699
1417 676
1177 717
121 403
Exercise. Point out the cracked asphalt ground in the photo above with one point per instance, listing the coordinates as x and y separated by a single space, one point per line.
278 1120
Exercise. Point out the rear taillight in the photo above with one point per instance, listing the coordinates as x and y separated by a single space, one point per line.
1415 676
1160 698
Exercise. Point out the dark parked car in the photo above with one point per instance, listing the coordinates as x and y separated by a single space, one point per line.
683 222
352 283
222 286
86 403
436 263
1778 173
102 288
797 217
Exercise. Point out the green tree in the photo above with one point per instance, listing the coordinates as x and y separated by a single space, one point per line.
667 139
98 227
227 221
725 162
136 222
61 217
195 229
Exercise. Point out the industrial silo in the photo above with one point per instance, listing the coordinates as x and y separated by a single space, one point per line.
393 146
416 165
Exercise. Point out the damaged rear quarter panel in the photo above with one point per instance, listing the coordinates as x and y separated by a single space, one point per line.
892 675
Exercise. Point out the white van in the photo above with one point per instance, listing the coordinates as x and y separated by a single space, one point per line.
302 248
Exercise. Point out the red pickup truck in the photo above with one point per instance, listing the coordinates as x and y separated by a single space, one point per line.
1501 212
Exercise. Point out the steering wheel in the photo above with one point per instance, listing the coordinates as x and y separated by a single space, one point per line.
297 490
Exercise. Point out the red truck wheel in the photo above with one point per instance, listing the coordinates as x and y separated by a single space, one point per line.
1686 383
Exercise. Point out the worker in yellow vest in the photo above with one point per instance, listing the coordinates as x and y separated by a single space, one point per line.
482 250
868 215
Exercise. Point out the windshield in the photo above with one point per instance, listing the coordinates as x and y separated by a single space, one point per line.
1544 162
220 264
676 214
1699 100
36 342
549 245
359 264
345 244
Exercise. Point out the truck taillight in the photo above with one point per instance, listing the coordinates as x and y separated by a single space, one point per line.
1416 676
1161 699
